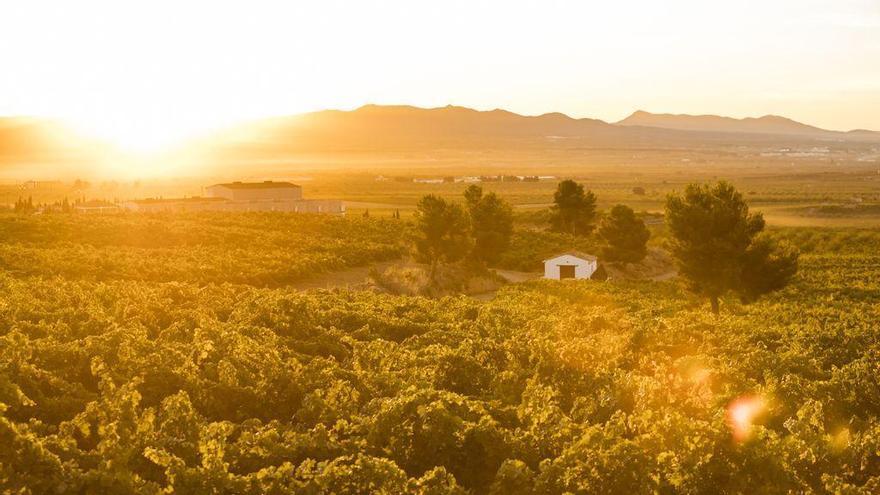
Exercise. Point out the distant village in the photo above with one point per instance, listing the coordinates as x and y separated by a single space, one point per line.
467 179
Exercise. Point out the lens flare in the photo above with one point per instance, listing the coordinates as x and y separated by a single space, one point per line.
741 414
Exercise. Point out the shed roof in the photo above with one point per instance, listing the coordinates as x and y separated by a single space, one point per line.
257 185
576 254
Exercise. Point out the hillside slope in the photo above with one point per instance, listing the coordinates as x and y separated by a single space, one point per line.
768 124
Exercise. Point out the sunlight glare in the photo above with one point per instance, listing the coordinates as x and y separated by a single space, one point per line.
741 414
138 136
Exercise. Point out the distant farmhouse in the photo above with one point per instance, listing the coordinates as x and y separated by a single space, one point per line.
243 196
571 264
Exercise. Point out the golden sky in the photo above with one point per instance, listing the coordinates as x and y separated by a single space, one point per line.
145 73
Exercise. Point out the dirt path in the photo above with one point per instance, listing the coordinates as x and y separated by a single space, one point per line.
512 277
352 278
515 277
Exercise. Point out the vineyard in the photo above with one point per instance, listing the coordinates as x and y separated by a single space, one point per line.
169 357
262 249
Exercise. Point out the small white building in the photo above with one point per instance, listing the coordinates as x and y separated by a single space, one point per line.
571 264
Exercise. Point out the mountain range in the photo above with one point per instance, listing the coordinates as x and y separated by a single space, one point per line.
768 124
390 127
405 128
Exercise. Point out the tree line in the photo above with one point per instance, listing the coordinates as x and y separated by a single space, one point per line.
718 245
480 230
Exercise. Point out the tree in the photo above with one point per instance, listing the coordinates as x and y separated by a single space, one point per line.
768 267
574 210
626 236
472 195
716 246
491 224
24 206
443 232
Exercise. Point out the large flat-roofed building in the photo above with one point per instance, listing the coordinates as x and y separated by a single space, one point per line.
256 191
243 196
152 205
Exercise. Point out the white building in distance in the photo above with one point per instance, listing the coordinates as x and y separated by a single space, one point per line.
571 264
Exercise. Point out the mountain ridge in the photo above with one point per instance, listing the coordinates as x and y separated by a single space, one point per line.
767 124
383 128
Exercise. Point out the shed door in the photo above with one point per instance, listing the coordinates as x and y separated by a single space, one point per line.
566 271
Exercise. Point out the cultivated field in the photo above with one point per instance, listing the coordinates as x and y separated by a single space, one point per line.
145 352
834 191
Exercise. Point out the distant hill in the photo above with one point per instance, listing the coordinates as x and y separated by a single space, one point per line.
405 126
376 128
36 147
36 140
768 124
26 137
373 133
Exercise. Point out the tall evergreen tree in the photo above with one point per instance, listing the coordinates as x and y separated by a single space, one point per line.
491 224
715 243
625 235
443 231
574 210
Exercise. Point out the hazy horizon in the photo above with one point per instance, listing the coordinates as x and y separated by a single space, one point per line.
145 76
424 247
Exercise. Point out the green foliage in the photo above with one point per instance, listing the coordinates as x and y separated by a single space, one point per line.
491 224
265 249
714 243
767 266
528 248
443 231
625 235
130 385
574 210
825 240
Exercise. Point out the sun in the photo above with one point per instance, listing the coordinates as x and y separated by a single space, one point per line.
134 134
135 144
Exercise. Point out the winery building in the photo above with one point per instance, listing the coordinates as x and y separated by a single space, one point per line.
256 191
243 196
571 264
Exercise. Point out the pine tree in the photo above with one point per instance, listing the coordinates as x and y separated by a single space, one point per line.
625 235
574 210
716 245
443 231
491 224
